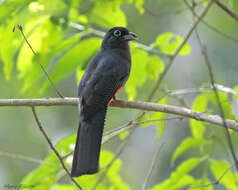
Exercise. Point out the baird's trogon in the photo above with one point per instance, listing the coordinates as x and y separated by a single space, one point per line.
105 75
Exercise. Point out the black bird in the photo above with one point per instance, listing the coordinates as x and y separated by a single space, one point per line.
105 75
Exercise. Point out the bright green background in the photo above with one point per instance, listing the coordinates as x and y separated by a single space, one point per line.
193 153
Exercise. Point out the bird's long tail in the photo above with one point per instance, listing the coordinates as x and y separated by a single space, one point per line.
88 144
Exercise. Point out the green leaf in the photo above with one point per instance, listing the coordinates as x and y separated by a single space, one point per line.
185 167
186 144
183 182
180 178
45 48
139 5
234 4
45 175
205 2
226 105
228 179
53 8
123 135
25 57
169 43
142 64
236 96
108 14
199 104
12 8
10 41
154 66
75 58
160 115
79 74
114 179
9 45
62 187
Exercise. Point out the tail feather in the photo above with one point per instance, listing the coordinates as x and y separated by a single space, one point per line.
88 144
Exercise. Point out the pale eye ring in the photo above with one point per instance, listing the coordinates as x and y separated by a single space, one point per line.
117 33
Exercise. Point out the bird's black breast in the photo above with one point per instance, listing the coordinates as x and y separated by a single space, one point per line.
105 73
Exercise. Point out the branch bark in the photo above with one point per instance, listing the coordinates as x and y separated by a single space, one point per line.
146 106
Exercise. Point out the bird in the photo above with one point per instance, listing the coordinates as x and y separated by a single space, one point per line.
106 73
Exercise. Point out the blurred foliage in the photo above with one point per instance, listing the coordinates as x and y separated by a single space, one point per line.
65 50
49 172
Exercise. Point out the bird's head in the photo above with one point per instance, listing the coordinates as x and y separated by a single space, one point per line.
118 37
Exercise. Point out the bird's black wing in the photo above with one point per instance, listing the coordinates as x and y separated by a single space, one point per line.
101 81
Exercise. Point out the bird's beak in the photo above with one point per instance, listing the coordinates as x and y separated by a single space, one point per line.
130 36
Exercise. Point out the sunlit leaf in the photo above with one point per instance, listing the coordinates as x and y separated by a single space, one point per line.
236 96
55 7
187 143
183 182
222 172
180 178
12 8
160 115
9 45
75 58
154 66
79 74
169 43
205 2
62 187
108 14
234 5
115 178
139 5
45 175
226 105
30 69
123 135
199 104
141 70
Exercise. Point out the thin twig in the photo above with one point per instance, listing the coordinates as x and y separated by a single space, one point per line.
38 60
171 59
211 26
131 124
204 52
145 106
227 10
53 148
21 157
148 176
213 183
212 80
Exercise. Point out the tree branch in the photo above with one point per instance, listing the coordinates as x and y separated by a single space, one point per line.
227 10
146 106
152 167
211 27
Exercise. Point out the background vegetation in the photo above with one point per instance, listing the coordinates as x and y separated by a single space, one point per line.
65 35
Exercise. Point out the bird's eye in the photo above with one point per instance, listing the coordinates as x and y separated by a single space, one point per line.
117 33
